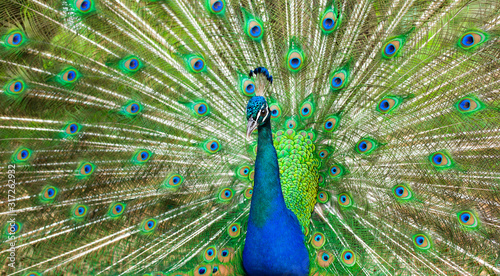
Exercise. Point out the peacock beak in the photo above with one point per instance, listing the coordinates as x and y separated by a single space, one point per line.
251 126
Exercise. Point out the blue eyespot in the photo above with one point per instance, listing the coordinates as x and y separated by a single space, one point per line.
217 6
465 105
176 179
210 252
198 65
224 253
134 108
468 40
73 128
250 88
419 240
18 86
305 111
384 105
362 146
214 146
334 170
390 49
317 238
227 193
438 158
71 75
400 191
202 270
118 208
348 256
85 5
16 39
255 31
343 198
295 63
24 154
328 23
81 210
87 168
325 257
144 155
337 82
465 217
134 63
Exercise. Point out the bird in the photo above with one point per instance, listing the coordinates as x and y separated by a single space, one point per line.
250 137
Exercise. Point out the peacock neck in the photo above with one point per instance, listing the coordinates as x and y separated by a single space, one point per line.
267 194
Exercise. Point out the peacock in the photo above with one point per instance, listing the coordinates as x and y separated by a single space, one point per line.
250 137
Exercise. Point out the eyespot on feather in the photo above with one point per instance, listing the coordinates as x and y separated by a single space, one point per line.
388 104
130 64
116 209
82 7
132 108
471 39
291 123
440 160
329 21
21 155
421 241
234 230
48 194
197 64
15 87
254 29
68 76
210 254
345 200
324 258
72 129
243 171
79 211
331 123
212 146
318 240
468 219
306 110
202 270
392 48
338 80
469 105
248 193
14 39
348 257
336 171
323 197
275 111
148 225
173 181
225 254
13 228
86 169
142 156
402 192
295 60
366 146
226 194
216 6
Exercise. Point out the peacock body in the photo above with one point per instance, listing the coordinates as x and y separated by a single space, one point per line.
124 145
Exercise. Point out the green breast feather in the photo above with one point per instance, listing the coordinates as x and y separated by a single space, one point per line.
298 171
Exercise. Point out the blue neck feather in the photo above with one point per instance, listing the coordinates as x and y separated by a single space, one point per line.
274 243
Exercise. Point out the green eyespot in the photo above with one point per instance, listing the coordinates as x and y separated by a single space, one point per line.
21 155
402 192
68 76
253 26
85 170
331 123
339 79
173 181
209 255
14 39
469 105
234 230
366 146
295 59
225 195
306 109
148 225
195 63
441 160
336 171
142 156
79 212
14 87
330 21
348 257
13 228
345 200
323 197
388 104
468 219
130 64
472 39
72 129
212 146
116 209
82 7
392 47
318 240
132 108
421 241
48 194
216 6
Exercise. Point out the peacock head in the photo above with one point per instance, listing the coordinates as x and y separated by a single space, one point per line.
257 113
